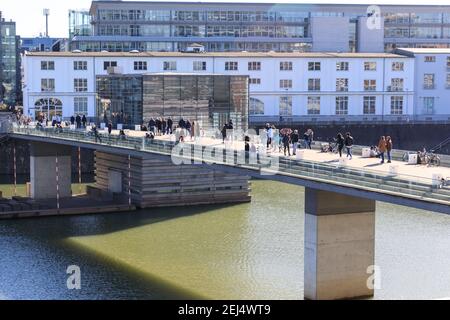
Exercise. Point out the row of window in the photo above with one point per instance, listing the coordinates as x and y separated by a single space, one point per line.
342 84
79 85
135 30
341 105
433 59
405 18
223 46
417 32
229 65
254 16
313 66
429 81
229 16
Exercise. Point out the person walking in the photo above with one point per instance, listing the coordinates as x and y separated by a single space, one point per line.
270 135
340 141
310 138
72 120
382 148
286 143
109 128
84 121
158 123
182 123
231 128
348 142
389 148
78 121
224 132
164 126
295 138
189 129
96 135
247 148
169 125
152 125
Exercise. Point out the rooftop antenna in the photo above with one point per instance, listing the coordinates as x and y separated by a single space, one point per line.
46 13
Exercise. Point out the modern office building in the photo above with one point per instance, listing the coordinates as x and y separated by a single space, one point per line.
10 70
208 99
291 87
173 26
79 23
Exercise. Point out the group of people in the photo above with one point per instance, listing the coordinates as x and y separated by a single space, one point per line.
78 121
285 137
345 142
385 147
160 126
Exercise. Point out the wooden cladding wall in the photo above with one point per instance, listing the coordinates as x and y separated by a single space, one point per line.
158 183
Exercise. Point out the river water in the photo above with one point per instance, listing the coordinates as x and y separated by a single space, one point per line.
248 251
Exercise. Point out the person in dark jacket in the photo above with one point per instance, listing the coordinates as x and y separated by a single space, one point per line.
349 145
295 138
122 135
158 126
340 142
152 125
78 121
109 128
169 126
286 142
247 148
163 126
182 123
224 132
72 120
84 121
96 135
189 127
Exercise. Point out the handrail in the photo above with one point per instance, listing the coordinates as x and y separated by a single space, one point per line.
440 145
400 184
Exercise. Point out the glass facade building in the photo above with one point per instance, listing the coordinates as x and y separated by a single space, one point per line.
10 76
119 99
166 26
79 23
211 100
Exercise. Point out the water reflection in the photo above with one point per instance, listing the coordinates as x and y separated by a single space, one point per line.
248 251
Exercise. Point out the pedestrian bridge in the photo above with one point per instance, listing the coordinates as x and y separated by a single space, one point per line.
414 188
340 198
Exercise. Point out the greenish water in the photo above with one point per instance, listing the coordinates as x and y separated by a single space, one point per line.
248 251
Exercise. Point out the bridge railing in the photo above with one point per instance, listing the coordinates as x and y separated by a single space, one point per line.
419 187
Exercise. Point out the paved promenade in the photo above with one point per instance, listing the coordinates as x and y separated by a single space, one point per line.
421 172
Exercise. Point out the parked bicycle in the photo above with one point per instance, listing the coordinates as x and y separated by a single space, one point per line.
432 159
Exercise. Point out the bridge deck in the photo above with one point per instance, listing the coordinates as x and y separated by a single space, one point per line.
422 172
412 185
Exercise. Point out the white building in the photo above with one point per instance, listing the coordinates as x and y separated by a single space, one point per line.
432 82
294 86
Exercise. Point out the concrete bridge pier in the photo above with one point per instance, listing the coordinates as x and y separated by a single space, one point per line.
339 245
50 170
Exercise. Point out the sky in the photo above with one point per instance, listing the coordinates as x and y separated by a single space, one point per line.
31 22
